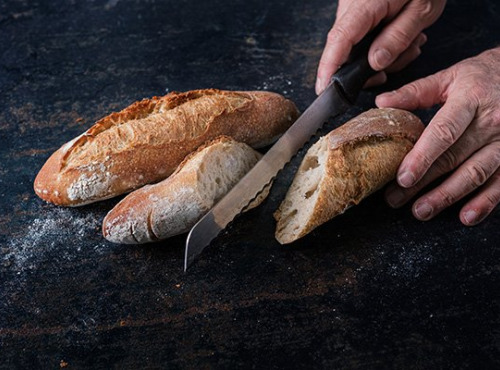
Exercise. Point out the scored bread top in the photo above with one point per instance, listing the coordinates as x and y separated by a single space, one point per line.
146 141
377 122
176 117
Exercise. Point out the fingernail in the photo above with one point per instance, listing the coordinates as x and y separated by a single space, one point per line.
382 58
395 198
423 211
379 99
471 217
406 179
319 86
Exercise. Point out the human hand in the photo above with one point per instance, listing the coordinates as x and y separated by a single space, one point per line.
462 140
395 47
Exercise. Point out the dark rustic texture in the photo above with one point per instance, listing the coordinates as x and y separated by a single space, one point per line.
373 288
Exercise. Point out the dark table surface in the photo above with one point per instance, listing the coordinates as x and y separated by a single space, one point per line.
373 288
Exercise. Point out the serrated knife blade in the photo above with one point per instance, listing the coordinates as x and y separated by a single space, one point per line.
340 94
329 103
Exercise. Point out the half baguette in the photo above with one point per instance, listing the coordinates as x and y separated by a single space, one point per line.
344 167
145 142
174 205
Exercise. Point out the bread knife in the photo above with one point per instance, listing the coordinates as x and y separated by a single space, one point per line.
337 98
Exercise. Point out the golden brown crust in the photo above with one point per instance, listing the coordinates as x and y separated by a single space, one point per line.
146 141
358 179
361 156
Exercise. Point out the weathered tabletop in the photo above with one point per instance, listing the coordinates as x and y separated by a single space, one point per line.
374 288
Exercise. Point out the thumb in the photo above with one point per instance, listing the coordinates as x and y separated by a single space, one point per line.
422 93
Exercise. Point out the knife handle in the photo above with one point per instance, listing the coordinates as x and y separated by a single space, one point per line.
352 76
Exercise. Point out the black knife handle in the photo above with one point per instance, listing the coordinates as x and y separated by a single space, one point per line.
352 76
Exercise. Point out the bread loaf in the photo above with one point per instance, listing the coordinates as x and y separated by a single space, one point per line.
174 205
344 167
145 142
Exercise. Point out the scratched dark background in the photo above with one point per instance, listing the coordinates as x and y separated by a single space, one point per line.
374 288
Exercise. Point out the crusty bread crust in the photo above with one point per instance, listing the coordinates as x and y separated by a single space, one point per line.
344 167
146 141
174 205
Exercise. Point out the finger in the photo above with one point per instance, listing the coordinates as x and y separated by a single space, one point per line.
443 131
340 40
401 32
397 196
354 21
422 93
483 203
409 55
379 79
342 7
472 174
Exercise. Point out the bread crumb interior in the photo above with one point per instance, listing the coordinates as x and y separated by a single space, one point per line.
303 193
223 168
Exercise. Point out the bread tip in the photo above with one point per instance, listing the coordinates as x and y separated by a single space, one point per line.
117 230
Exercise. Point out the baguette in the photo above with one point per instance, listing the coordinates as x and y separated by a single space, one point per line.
174 205
344 167
145 142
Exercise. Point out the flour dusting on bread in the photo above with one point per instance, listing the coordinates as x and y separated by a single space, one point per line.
93 183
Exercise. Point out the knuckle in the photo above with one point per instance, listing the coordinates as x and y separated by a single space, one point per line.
339 33
423 84
446 162
412 89
445 132
426 9
400 39
424 160
445 198
475 174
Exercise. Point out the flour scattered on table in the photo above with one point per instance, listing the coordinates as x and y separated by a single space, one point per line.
53 236
278 83
412 261
405 260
